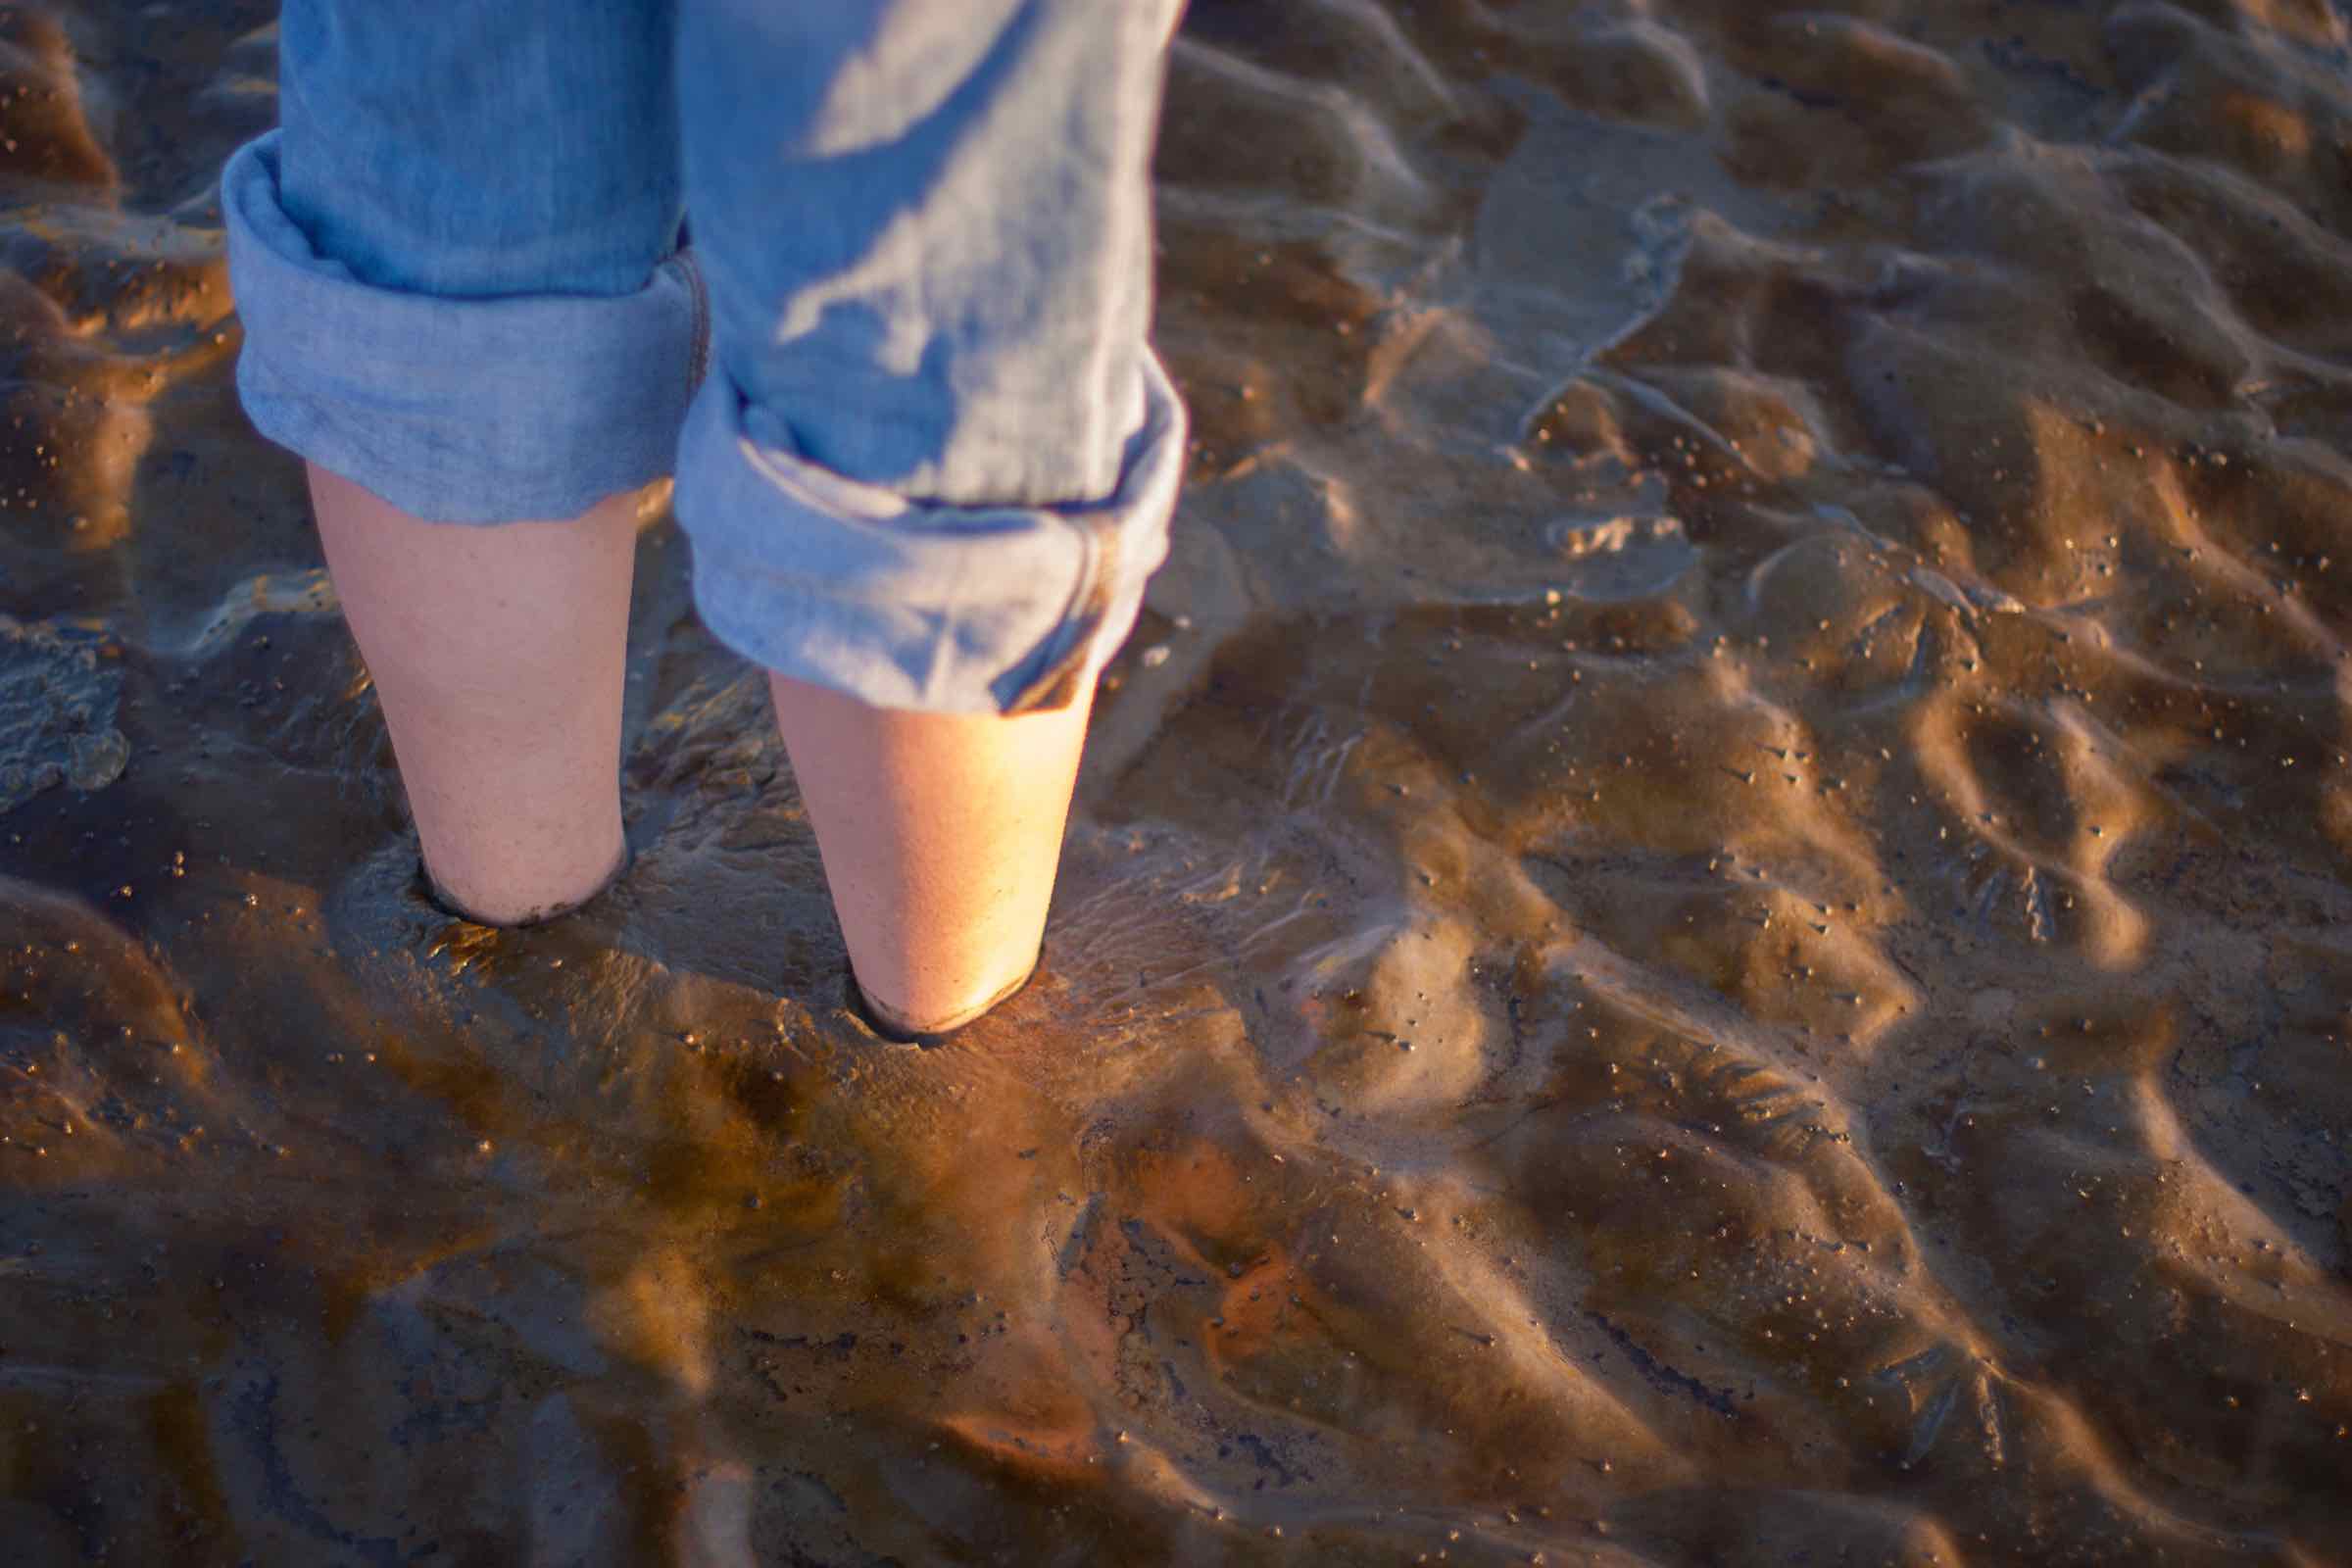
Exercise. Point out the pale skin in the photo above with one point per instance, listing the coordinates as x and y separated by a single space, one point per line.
497 654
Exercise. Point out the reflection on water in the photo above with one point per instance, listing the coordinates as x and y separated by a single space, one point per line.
1707 923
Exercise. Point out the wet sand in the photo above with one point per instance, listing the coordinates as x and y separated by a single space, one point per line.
1710 922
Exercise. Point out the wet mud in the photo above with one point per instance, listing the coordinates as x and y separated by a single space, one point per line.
1710 922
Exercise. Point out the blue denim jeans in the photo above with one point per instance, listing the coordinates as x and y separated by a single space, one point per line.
922 450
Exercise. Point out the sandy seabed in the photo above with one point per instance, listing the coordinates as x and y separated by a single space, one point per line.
1711 923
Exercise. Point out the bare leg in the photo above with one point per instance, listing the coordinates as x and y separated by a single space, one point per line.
940 834
498 654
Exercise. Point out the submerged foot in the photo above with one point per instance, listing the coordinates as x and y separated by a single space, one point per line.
926 1029
533 913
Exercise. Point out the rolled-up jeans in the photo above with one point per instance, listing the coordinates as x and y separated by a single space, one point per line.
871 278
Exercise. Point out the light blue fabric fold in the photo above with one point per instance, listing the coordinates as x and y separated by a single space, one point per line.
931 459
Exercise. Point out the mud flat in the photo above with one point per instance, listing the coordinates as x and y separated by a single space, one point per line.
1711 921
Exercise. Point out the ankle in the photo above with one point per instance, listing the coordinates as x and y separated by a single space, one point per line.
921 1013
494 886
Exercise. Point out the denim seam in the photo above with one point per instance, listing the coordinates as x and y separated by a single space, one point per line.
1076 623
698 360
1075 628
784 479
853 586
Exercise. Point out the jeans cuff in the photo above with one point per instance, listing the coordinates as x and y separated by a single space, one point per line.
919 604
456 410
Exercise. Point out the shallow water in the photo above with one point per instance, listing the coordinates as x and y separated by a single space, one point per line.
1711 921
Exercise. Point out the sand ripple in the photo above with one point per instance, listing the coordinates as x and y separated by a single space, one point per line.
1708 923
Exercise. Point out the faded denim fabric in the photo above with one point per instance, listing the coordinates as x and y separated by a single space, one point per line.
922 450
